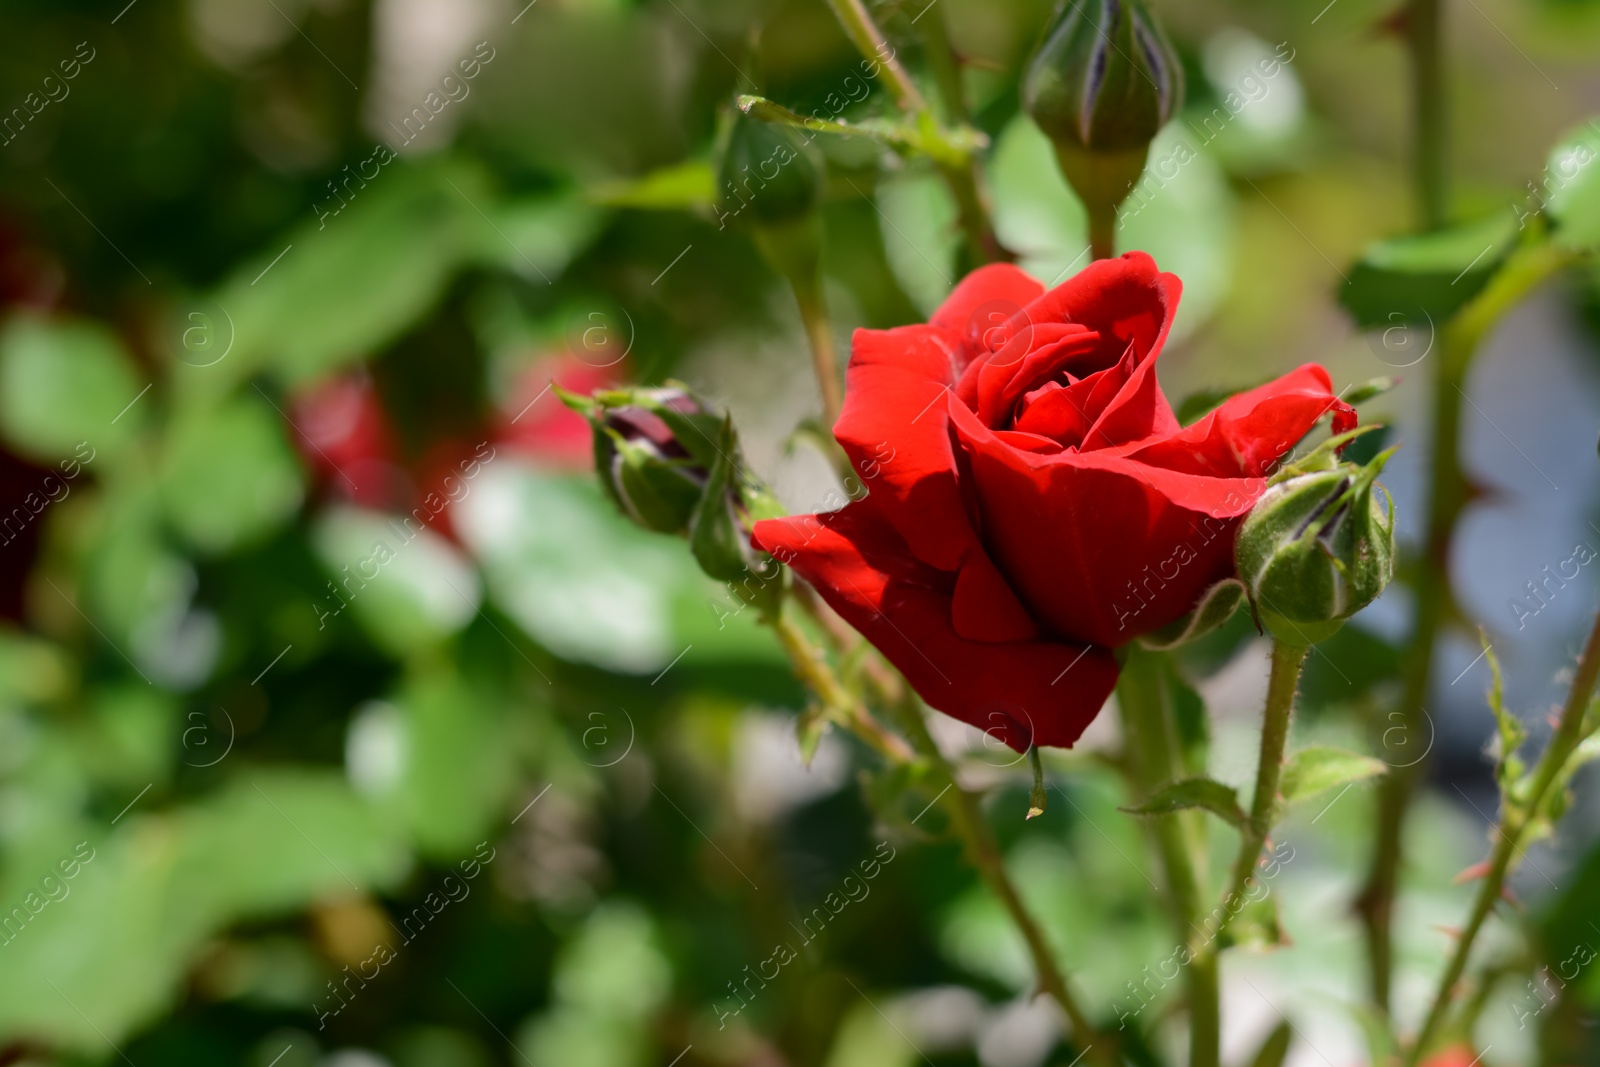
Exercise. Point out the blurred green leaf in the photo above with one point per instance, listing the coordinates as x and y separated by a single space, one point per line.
1570 187
1424 278
1318 768
348 285
66 383
228 475
1275 1048
405 585
112 952
1204 793
681 187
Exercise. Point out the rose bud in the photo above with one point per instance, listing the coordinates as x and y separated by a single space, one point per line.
1317 548
652 477
674 467
767 177
1103 82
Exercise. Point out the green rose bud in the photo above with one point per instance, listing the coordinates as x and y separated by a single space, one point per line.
1103 82
1317 548
768 177
673 466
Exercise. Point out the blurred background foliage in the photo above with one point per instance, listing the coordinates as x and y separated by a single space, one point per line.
312 608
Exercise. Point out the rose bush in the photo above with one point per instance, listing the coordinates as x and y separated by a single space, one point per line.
1033 502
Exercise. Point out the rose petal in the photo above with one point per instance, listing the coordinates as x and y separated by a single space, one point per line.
895 431
1249 433
985 608
1046 692
1126 299
983 301
1100 548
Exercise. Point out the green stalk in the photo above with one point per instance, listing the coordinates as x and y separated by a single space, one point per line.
969 824
1514 821
1287 661
1459 340
811 666
869 41
1156 759
1422 22
963 178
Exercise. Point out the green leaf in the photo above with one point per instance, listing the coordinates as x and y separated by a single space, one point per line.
1217 605
1569 188
1319 768
121 940
1509 731
229 476
681 187
1204 793
340 288
437 757
1421 280
952 147
1275 1047
64 384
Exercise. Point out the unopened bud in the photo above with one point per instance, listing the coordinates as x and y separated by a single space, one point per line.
1317 548
642 464
1102 84
767 177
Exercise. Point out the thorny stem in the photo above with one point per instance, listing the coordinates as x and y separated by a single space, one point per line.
1286 663
869 41
1514 820
843 708
965 180
974 832
1422 27
1450 494
819 335
1156 760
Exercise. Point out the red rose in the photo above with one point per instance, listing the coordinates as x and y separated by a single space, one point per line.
1033 502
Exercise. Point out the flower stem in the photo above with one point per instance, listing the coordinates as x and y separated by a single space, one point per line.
974 832
1458 342
811 665
966 182
1151 731
869 41
1514 820
1422 19
1102 232
1286 663
819 335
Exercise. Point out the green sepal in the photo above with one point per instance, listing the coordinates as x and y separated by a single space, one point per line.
1216 606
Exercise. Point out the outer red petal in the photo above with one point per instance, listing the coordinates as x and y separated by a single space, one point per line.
1046 692
1252 431
1099 547
894 429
